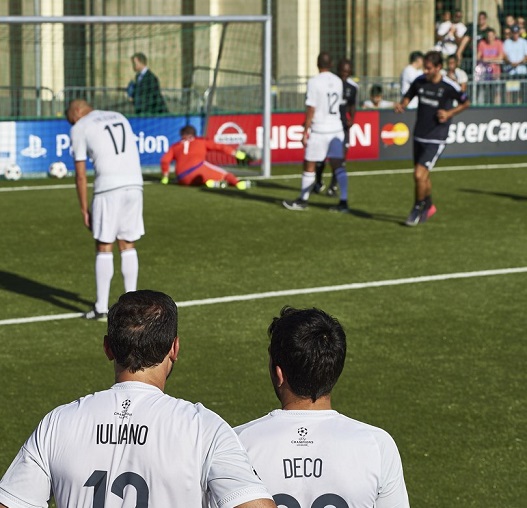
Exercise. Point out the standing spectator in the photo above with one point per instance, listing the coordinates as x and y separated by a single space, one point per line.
436 96
449 33
506 34
344 462
455 73
117 206
323 134
515 50
376 101
348 107
464 51
191 167
133 445
410 73
144 91
508 23
521 26
490 58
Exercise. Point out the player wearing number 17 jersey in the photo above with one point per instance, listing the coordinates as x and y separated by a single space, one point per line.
307 454
132 445
117 206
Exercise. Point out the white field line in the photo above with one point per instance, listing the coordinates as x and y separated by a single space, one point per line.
302 291
378 172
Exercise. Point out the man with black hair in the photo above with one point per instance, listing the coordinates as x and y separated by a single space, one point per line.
145 91
307 454
323 135
436 95
133 445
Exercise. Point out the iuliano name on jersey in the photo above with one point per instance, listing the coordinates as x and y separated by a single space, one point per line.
110 433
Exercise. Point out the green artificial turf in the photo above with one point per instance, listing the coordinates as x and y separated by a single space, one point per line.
440 365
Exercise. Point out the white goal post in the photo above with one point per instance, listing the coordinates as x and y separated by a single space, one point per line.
264 20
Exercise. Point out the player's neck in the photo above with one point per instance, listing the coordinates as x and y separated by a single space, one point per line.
294 403
150 376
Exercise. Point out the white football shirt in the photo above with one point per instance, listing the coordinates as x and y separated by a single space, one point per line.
107 138
131 446
314 459
324 93
408 76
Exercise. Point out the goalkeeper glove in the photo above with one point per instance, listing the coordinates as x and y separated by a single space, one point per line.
242 158
164 179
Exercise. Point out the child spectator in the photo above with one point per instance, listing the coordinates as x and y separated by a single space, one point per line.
376 101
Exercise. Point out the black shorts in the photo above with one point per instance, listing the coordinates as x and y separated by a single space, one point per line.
427 154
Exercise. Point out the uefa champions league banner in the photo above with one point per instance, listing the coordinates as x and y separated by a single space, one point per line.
35 144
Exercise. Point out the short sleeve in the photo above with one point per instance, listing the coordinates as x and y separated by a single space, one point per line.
229 478
310 94
78 144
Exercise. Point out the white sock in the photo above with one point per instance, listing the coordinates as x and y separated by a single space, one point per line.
103 278
342 180
129 269
308 182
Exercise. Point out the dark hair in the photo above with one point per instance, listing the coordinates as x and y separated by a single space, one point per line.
142 327
415 55
482 13
188 129
434 57
342 63
310 348
141 57
324 60
376 90
452 57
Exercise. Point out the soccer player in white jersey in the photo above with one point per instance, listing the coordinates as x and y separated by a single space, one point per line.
307 454
117 206
133 445
323 136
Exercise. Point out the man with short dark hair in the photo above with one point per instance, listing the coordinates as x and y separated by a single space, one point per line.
436 95
306 453
145 91
410 72
133 445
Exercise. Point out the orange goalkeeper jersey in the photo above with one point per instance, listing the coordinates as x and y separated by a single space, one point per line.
190 154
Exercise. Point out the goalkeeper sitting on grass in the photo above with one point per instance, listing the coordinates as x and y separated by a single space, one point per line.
191 166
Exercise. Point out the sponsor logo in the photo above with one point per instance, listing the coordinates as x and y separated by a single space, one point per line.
34 148
124 413
493 131
395 134
230 133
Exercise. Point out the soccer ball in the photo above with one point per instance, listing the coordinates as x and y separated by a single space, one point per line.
12 172
58 170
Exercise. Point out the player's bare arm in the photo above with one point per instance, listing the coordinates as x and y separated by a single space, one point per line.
399 107
258 503
443 115
81 183
310 112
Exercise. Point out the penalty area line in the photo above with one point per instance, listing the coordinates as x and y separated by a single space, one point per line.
301 291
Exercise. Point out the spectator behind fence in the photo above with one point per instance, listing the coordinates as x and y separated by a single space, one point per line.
413 70
490 53
144 91
521 25
449 33
508 23
376 101
455 73
464 51
515 50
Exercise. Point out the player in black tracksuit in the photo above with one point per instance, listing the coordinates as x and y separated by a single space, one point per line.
437 95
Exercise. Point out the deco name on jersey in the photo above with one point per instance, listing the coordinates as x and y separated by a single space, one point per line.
126 433
299 467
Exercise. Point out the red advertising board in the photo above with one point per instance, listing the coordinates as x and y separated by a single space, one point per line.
286 135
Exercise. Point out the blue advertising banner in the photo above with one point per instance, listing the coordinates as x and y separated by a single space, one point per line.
35 144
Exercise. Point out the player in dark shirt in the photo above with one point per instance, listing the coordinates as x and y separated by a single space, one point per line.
440 99
347 108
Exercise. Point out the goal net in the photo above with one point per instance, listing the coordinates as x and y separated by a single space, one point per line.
205 80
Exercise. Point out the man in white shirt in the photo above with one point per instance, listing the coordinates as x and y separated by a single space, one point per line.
323 134
117 207
307 454
413 70
133 445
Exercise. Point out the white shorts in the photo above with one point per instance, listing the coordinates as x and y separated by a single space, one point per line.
118 215
322 146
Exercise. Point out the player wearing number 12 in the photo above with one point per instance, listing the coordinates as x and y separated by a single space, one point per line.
133 445
117 206
307 454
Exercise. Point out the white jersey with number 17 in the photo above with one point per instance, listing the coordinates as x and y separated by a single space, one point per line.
324 93
108 139
318 459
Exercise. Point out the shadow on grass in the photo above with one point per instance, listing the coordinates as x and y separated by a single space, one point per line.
508 195
27 287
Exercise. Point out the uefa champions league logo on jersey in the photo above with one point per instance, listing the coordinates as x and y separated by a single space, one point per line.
301 441
124 413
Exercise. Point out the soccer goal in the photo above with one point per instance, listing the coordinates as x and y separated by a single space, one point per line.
214 73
